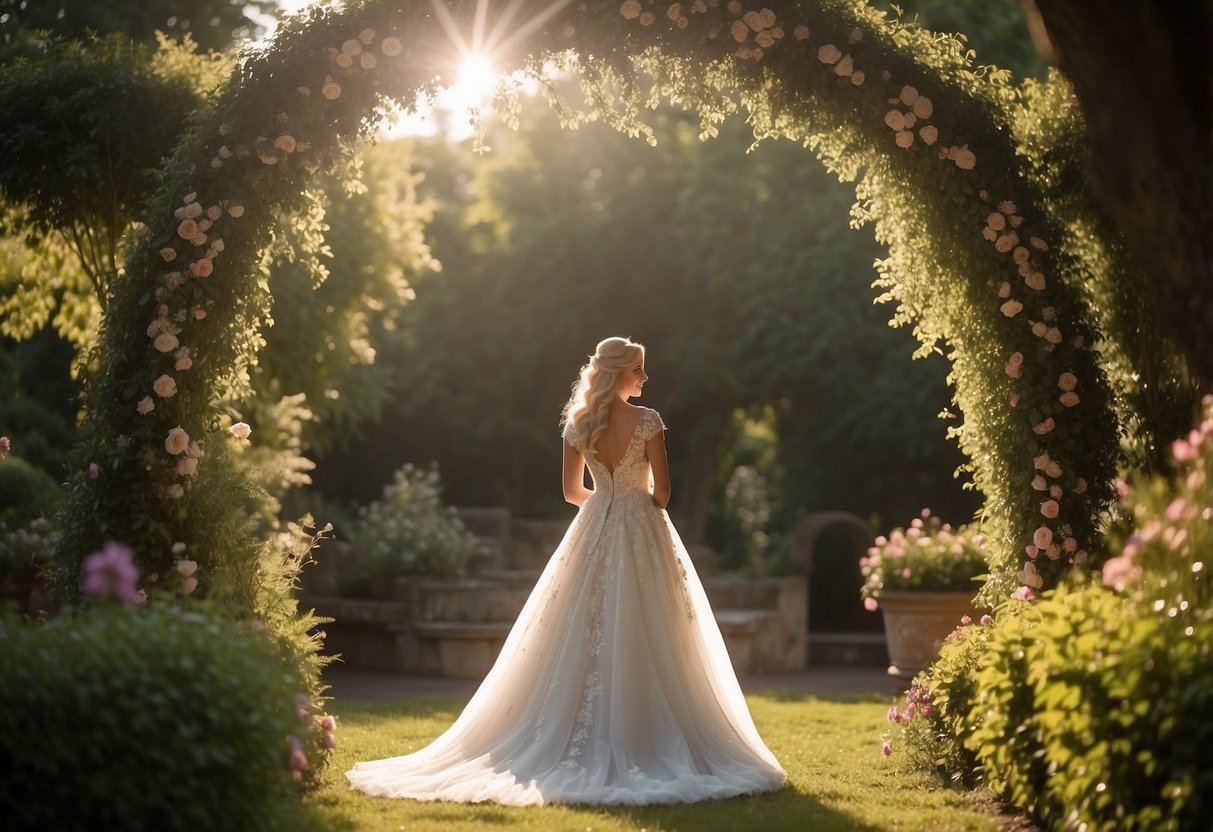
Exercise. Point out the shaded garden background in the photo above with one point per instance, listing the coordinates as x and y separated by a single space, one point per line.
454 293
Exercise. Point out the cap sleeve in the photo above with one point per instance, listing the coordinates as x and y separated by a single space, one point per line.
650 424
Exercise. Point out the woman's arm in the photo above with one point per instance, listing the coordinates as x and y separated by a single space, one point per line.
575 491
655 448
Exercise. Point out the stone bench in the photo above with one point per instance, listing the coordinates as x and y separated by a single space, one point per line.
465 650
739 627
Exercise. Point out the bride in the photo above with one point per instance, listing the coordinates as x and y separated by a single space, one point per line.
613 686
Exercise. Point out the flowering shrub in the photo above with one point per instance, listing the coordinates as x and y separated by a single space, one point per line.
1095 704
408 531
929 556
153 718
935 720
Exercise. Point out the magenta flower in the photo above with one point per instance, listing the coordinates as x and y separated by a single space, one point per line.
893 715
5 446
926 710
870 604
111 572
986 620
1022 594
886 748
328 741
298 758
329 723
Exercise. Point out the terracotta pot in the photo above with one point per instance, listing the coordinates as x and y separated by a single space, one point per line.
916 623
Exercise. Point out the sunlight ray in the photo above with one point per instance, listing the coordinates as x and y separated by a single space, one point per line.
531 26
450 27
502 24
478 23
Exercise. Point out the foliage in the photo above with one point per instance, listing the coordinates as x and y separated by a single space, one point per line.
214 24
38 409
929 556
408 531
1095 705
26 492
24 548
937 717
996 30
840 791
160 719
89 119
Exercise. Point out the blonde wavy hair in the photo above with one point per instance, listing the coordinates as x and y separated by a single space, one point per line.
584 417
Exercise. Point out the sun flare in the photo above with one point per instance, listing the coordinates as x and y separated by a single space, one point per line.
476 79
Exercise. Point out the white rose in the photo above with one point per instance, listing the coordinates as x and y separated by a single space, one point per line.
240 430
923 107
165 342
186 568
176 441
145 406
929 134
1011 308
186 466
903 138
828 54
895 119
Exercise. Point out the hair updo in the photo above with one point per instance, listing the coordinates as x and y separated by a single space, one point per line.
585 414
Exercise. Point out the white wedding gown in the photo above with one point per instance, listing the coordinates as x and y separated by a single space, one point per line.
613 686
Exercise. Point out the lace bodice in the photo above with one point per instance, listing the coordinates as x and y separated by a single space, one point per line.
632 472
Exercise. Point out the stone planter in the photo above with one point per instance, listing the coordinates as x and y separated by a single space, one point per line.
916 623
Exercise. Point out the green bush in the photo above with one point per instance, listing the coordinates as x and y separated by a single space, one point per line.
408 531
26 492
24 547
158 719
935 720
1096 705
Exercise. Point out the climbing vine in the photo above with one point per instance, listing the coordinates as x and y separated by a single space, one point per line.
973 260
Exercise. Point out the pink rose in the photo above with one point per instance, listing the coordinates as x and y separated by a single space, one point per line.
1035 280
801 32
169 254
1038 482
1049 508
145 406
966 159
285 143
1014 400
1044 427
986 620
1004 289
1041 461
390 47
193 210
830 54
189 585
165 387
165 342
1006 207
331 89
929 134
111 572
176 441
174 492
202 268
1052 469
94 470
1038 244
328 723
240 430
235 210
996 221
187 466
1011 308
6 445
1022 594
1067 381
328 741
1069 399
1020 255
1031 551
870 604
188 229
923 107
1042 537
199 314
1080 486
886 748
1006 242
186 568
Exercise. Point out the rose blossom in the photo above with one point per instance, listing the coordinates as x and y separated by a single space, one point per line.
739 31
1011 308
1031 550
94 470
188 229
390 47
986 620
966 159
1055 492
1014 400
165 386
285 143
1038 482
111 572
903 138
141 229
169 254
1069 399
829 54
1042 537
1067 381
186 568
331 90
1119 571
189 585
1022 594
176 441
996 221
240 430
202 268
923 107
886 748
1028 576
1049 508
1035 280
801 32
1006 242
145 406
1004 289
165 342
870 604
187 466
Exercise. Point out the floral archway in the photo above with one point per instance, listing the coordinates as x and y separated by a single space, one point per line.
973 264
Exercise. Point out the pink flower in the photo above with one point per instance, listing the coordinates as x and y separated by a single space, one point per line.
1122 489
111 572
189 585
188 229
199 314
298 758
145 406
169 254
1184 451
165 386
1069 398
328 741
886 748
986 621
1042 537
1119 571
1031 550
870 604
176 441
240 430
141 230
1044 427
1022 594
1014 400
1049 508
893 715
202 268
6 445
94 470
328 723
1011 308
1175 510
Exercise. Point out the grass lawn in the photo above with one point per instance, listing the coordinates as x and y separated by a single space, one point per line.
830 747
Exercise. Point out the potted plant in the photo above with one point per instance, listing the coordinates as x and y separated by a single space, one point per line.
923 580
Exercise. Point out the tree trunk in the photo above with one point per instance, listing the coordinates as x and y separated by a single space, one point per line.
1143 74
